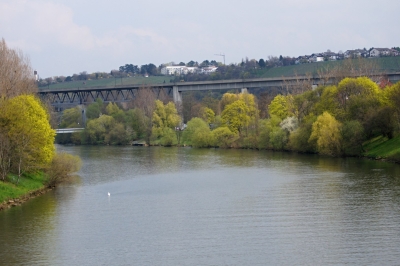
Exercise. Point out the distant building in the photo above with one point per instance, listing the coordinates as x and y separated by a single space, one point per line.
316 58
301 60
178 70
377 52
331 56
208 70
356 53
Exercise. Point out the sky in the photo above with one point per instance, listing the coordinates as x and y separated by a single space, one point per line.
63 37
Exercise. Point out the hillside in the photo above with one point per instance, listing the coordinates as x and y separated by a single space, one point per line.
383 65
381 147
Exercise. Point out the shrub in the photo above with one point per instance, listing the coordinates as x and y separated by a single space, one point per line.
61 167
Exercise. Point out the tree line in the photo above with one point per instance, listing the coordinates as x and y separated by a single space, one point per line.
245 69
332 120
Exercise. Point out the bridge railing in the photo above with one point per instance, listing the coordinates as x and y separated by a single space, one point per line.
68 130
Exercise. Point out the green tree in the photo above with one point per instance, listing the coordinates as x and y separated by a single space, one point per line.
208 115
97 129
353 137
112 109
261 63
197 133
326 131
298 139
235 116
305 103
29 132
138 121
223 137
168 137
164 116
357 96
280 106
71 117
328 102
94 110
392 95
278 138
117 135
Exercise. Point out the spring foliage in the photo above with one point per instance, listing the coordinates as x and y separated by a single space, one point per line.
333 120
326 132
28 132
60 168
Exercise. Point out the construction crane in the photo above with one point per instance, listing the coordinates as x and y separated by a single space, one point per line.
221 55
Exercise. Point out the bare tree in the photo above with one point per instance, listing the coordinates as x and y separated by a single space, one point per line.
145 101
298 85
16 78
357 67
16 75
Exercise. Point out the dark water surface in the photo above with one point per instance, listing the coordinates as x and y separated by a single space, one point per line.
183 206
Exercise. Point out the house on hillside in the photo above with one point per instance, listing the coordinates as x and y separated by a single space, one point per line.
208 70
301 60
378 52
356 53
316 58
395 52
178 70
331 56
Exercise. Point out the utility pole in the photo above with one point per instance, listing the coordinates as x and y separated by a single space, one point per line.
221 55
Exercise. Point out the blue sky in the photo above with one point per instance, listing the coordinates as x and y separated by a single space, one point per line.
66 37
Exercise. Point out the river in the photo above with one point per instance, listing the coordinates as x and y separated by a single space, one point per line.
184 206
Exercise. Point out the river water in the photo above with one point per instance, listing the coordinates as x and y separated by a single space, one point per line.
183 206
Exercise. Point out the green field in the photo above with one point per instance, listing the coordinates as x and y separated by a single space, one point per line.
383 64
381 147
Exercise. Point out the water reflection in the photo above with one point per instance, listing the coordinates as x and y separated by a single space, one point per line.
26 229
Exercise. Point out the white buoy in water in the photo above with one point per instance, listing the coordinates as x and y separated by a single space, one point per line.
109 194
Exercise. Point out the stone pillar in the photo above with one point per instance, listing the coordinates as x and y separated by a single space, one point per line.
84 116
244 90
177 95
82 107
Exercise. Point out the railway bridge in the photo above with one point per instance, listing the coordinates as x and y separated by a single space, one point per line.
124 93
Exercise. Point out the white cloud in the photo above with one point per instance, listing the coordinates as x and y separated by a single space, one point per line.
64 36
54 23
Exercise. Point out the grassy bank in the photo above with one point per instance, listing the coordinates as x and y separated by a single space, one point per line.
383 148
27 184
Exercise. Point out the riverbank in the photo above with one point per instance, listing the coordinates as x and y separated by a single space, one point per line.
28 187
382 148
18 201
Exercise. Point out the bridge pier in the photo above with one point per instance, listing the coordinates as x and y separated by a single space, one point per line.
177 95
244 90
83 107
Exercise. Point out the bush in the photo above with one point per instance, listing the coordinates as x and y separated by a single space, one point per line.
62 165
197 133
168 138
223 137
